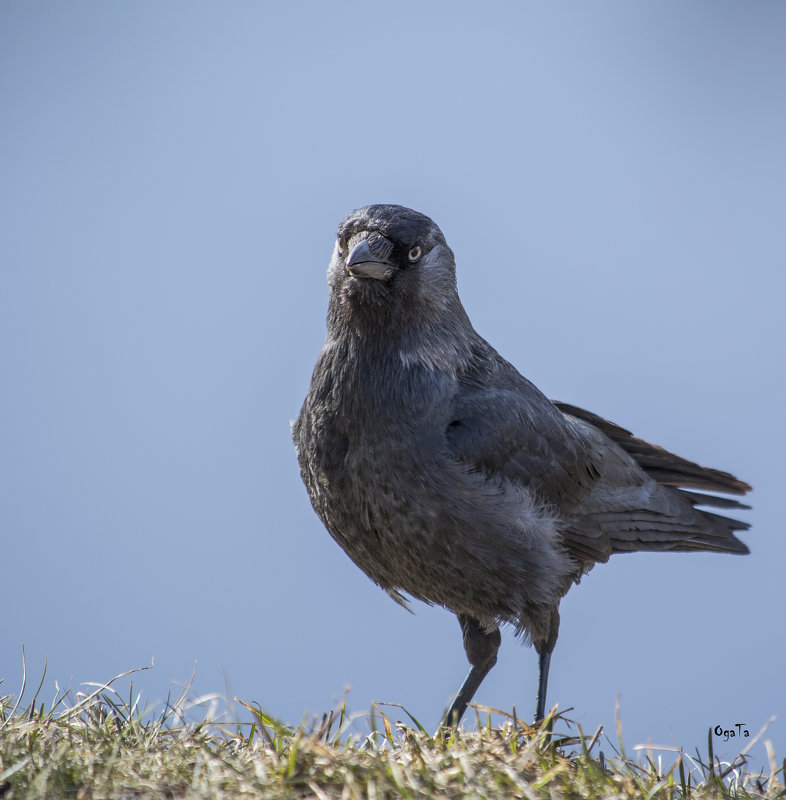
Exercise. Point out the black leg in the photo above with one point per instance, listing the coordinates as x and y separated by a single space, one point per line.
481 649
545 647
466 693
544 659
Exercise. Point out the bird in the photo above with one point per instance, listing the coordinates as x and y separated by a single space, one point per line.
448 477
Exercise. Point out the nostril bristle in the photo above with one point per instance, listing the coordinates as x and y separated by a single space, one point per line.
380 246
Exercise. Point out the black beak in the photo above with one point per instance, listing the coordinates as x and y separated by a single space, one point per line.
370 258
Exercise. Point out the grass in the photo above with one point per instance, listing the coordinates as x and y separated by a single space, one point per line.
100 744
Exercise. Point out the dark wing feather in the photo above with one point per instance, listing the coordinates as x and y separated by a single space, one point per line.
660 464
503 425
651 514
613 490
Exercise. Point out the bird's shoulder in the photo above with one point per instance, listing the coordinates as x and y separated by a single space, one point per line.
502 424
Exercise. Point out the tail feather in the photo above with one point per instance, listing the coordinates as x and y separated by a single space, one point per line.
701 499
668 520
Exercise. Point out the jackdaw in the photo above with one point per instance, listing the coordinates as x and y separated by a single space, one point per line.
446 475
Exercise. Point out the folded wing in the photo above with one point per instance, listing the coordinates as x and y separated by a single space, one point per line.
614 492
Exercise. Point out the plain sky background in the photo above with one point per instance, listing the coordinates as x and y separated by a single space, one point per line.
612 179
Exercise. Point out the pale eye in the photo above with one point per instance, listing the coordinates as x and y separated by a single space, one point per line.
339 246
415 253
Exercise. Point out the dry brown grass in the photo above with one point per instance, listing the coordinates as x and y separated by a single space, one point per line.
101 745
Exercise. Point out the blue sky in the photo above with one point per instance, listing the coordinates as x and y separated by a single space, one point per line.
611 178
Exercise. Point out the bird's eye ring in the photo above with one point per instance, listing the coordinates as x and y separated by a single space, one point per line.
414 254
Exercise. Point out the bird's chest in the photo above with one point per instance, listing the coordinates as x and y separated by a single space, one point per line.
372 452
375 442
377 495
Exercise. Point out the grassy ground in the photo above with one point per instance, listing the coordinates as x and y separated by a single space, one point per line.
102 745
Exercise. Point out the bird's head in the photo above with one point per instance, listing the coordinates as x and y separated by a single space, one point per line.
391 264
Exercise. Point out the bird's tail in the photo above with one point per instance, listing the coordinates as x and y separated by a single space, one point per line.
685 476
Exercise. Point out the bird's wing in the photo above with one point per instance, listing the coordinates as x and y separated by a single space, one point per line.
628 510
594 473
663 466
504 426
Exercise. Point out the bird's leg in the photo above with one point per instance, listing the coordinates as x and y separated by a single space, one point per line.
545 647
467 691
481 649
544 659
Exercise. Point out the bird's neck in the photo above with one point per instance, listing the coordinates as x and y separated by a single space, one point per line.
436 342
